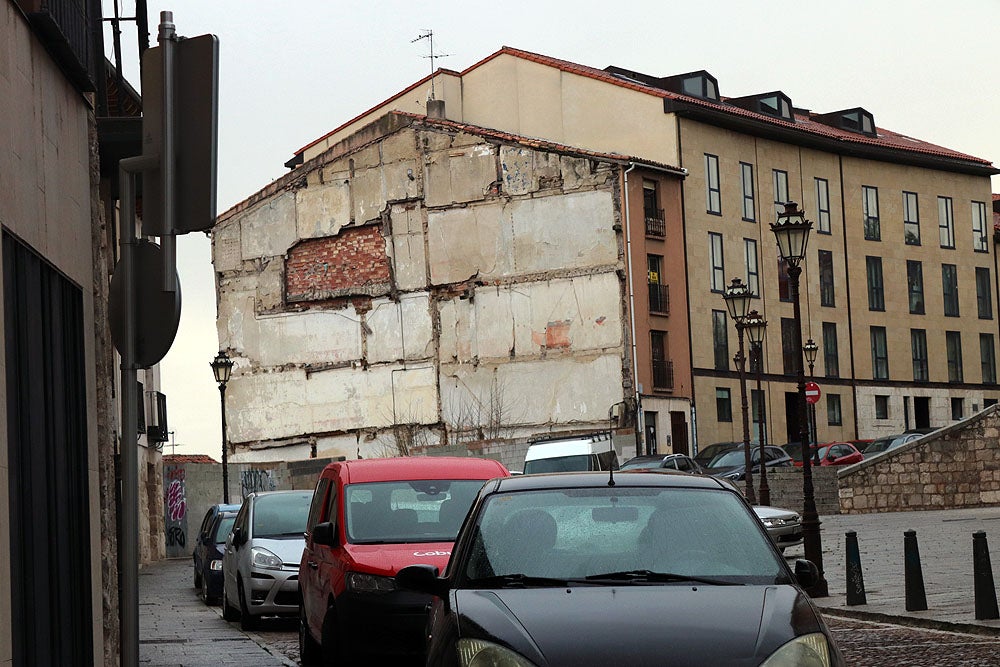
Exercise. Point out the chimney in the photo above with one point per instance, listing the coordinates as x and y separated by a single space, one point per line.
435 108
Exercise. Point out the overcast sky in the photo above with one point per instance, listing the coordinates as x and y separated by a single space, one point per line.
292 71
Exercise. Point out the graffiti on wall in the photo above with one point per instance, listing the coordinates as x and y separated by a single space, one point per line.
175 510
253 480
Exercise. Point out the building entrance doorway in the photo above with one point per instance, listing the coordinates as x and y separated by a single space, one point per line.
792 421
921 412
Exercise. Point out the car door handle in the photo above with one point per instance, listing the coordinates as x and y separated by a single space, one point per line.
313 564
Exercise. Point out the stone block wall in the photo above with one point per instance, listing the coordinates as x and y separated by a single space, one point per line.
786 488
957 466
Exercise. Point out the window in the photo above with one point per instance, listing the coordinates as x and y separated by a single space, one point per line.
918 344
880 354
663 370
987 358
876 293
780 191
911 219
957 408
790 354
753 275
822 206
700 84
953 346
757 413
833 414
826 293
949 286
946 222
979 238
713 195
915 286
658 302
749 207
984 300
831 358
717 264
869 199
720 339
651 210
723 405
784 287
881 407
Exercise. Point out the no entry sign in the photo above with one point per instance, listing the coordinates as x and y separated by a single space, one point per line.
812 392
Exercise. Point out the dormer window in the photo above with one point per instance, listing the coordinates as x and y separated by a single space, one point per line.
775 104
853 120
694 84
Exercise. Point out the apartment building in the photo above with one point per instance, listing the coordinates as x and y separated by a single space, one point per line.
899 286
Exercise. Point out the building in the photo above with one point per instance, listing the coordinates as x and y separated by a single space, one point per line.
899 286
427 285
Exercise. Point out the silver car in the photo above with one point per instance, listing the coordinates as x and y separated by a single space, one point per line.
260 565
784 526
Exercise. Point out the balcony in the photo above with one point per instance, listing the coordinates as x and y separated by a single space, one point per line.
659 298
655 225
663 375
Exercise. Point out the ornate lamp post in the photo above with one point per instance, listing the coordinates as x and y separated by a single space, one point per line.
810 349
792 233
222 367
755 325
737 297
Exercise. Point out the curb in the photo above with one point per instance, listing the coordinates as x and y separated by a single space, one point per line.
912 621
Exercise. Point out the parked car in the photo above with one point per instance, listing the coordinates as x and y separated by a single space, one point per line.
879 445
784 526
680 462
570 453
262 555
208 547
731 464
829 454
704 456
368 519
570 570
887 442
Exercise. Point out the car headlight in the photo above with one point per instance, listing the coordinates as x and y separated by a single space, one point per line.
215 565
260 557
359 582
735 474
810 650
480 653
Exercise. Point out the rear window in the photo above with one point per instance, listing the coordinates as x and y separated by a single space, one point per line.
570 463
281 514
408 511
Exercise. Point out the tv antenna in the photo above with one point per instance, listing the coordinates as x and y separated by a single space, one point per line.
429 36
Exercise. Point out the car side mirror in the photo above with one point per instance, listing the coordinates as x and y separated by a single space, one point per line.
806 573
239 537
423 579
325 533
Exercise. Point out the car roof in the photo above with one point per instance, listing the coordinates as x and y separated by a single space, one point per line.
625 478
416 467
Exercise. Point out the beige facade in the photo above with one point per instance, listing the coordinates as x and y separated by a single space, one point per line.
626 112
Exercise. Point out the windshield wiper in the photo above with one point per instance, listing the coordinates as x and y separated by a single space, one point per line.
644 576
516 581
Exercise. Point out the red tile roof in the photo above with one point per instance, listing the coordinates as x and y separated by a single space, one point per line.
188 458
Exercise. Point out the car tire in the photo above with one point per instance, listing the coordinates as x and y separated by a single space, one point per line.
247 620
229 612
209 600
310 652
197 577
333 646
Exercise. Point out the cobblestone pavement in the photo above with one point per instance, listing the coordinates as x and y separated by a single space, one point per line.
869 644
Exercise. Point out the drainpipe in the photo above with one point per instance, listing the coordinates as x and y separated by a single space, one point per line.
631 310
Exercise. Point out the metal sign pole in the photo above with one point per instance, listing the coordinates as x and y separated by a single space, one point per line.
168 173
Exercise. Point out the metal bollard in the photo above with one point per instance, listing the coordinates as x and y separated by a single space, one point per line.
982 574
916 598
855 578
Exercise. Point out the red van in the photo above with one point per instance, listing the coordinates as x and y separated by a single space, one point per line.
368 519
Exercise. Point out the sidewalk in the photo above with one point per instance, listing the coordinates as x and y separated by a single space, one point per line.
944 540
177 628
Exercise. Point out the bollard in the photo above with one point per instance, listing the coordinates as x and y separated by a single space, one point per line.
855 578
916 598
982 575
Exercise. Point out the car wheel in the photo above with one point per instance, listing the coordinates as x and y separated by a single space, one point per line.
333 646
310 652
229 612
197 577
247 620
209 600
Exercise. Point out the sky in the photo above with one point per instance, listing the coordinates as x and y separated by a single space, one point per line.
292 71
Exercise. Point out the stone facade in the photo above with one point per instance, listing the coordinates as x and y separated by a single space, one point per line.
958 466
786 488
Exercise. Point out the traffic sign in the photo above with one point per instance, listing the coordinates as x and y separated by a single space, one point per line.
812 392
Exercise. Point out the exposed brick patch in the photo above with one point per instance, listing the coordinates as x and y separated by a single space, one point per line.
353 263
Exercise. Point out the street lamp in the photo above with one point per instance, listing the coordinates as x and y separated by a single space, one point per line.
791 230
755 326
810 349
737 297
222 367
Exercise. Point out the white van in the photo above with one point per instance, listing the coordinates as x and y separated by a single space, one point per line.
564 454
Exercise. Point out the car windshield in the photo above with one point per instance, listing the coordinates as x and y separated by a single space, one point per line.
734 457
280 515
572 463
225 527
823 451
614 534
408 511
794 450
705 455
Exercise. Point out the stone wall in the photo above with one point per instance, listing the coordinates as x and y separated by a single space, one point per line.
786 488
957 466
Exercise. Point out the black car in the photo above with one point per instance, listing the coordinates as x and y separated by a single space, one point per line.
624 568
215 527
731 465
705 456
680 462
